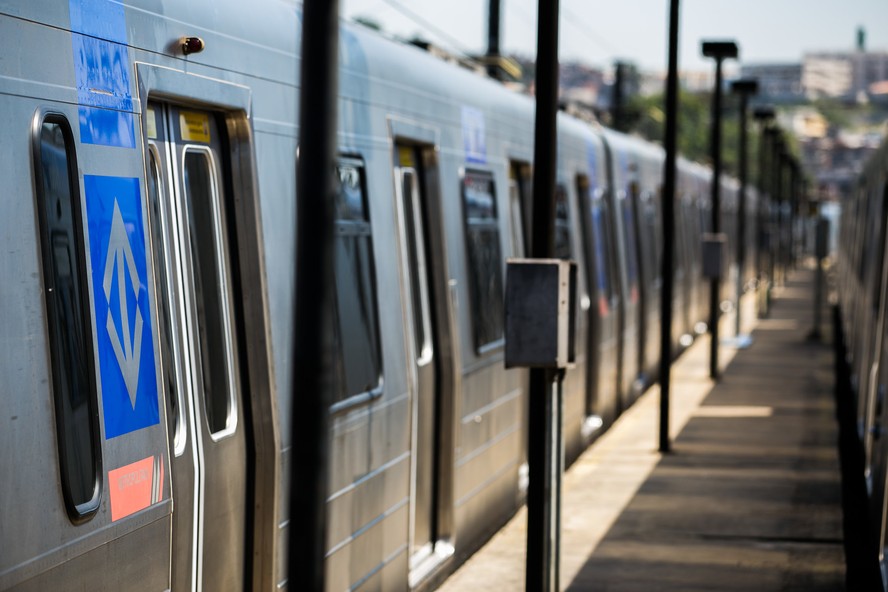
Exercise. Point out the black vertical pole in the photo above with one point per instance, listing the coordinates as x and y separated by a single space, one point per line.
539 568
741 213
796 209
493 38
617 107
760 206
668 225
776 197
781 213
715 282
314 282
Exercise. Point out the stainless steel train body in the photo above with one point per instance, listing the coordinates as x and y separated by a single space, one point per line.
147 232
862 283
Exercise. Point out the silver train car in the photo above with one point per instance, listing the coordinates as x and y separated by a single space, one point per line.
147 248
862 282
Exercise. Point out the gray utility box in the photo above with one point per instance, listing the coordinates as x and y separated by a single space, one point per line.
540 313
713 255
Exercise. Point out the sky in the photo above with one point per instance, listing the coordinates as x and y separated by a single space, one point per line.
597 32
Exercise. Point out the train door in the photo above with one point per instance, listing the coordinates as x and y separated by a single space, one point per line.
876 452
422 351
875 395
602 351
192 249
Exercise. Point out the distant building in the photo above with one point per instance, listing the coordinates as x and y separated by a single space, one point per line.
778 83
804 122
844 75
697 81
828 74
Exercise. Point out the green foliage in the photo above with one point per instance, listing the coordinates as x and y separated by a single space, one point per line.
694 131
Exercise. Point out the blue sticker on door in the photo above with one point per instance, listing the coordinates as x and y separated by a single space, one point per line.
123 314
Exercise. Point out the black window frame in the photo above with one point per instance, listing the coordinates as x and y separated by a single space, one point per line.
493 336
352 227
81 512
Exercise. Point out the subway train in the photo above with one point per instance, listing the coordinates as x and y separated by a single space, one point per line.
147 232
862 365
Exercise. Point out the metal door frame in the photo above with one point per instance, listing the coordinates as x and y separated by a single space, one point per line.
444 310
234 102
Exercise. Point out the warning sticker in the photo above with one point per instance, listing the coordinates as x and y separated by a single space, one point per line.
152 124
194 127
135 486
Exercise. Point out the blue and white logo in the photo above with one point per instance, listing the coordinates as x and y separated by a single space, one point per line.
474 140
123 314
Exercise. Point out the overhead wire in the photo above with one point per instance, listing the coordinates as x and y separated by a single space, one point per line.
413 16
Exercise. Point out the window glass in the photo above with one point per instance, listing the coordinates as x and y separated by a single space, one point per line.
631 249
209 288
877 256
484 258
70 330
562 225
600 241
356 332
419 282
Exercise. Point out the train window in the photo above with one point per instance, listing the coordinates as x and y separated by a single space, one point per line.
484 258
877 283
356 326
210 291
519 202
602 242
562 224
67 308
631 248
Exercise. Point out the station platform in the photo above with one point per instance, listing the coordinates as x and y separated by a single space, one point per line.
749 498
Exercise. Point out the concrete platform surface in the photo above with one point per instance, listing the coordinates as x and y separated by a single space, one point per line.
749 498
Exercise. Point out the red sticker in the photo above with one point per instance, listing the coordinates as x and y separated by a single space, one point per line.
131 487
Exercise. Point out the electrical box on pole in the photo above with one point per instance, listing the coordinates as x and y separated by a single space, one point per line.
540 311
714 255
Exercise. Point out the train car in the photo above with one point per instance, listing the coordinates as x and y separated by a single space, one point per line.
863 282
148 318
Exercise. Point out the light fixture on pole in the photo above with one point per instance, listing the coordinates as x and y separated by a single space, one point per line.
719 51
744 88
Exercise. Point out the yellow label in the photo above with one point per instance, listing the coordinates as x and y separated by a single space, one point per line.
405 156
152 124
194 127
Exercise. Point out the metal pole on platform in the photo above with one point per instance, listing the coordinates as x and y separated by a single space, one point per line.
776 201
668 225
744 88
763 115
719 50
314 282
541 573
493 39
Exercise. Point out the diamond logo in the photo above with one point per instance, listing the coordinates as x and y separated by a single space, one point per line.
126 340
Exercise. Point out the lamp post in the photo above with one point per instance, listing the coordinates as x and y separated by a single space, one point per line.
744 88
785 169
776 204
544 437
315 187
719 51
668 225
764 115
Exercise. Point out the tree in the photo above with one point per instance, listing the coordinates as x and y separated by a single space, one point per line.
694 127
